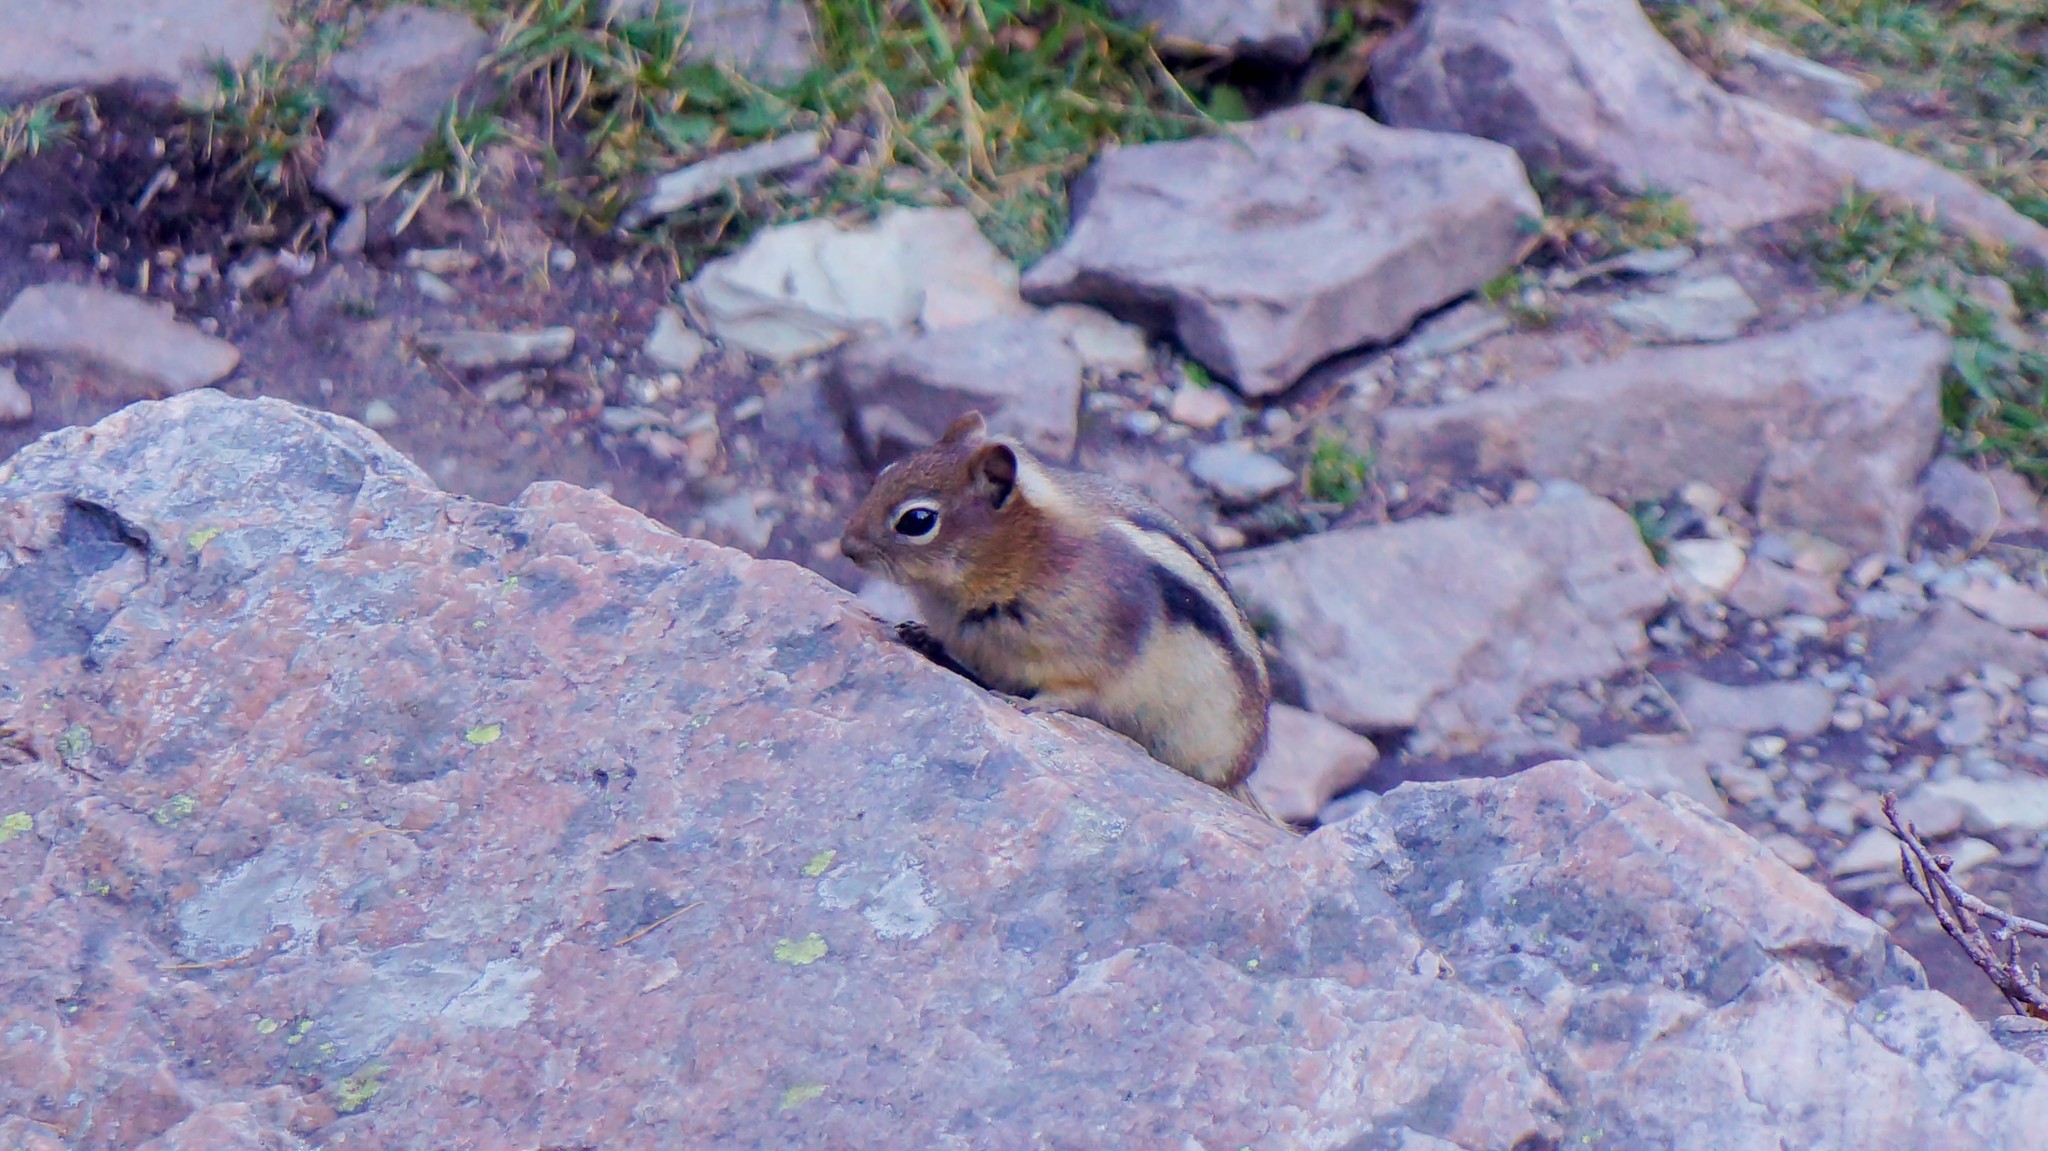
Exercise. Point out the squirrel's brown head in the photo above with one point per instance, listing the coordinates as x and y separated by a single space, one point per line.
931 518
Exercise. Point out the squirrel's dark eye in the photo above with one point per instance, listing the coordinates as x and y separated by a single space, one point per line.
917 523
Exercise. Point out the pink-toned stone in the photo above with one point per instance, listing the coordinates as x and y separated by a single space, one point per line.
1308 762
339 812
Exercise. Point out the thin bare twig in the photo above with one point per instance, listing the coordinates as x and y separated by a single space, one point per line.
657 923
1964 916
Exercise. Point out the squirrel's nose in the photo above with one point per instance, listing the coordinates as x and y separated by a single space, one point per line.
853 549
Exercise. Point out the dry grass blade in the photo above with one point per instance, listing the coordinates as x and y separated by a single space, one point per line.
1964 916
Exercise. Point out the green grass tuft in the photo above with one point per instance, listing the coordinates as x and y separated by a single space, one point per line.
993 105
1996 388
1337 473
27 129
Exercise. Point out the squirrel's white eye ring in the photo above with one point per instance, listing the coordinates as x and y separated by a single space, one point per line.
916 521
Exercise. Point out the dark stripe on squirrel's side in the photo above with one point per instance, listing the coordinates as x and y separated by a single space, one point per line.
1186 605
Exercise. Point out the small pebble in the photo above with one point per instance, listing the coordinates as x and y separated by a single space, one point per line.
1239 475
1868 570
1143 423
1765 747
562 260
441 261
1198 407
380 414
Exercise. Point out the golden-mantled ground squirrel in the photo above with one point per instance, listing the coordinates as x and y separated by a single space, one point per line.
1073 591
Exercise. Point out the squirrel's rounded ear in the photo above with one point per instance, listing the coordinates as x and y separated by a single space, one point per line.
965 430
995 472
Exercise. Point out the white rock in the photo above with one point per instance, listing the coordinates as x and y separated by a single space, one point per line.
1198 407
1971 715
1712 308
1799 708
1308 761
1105 344
1469 323
1874 850
15 405
1963 497
1792 850
380 414
1706 568
442 261
2019 804
1239 475
141 339
1662 766
1968 854
90 43
672 344
2011 605
744 519
1932 815
799 289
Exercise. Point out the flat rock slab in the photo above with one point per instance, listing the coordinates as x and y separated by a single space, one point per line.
1446 623
51 44
1909 657
1829 425
898 393
380 817
1289 239
1590 91
1282 31
393 85
142 341
805 288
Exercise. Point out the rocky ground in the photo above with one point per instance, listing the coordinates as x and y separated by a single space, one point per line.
1639 469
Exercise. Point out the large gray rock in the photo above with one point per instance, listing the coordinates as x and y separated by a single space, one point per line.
1829 425
1289 239
51 44
392 87
341 812
898 393
1588 90
1751 1031
1446 624
1280 30
141 341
